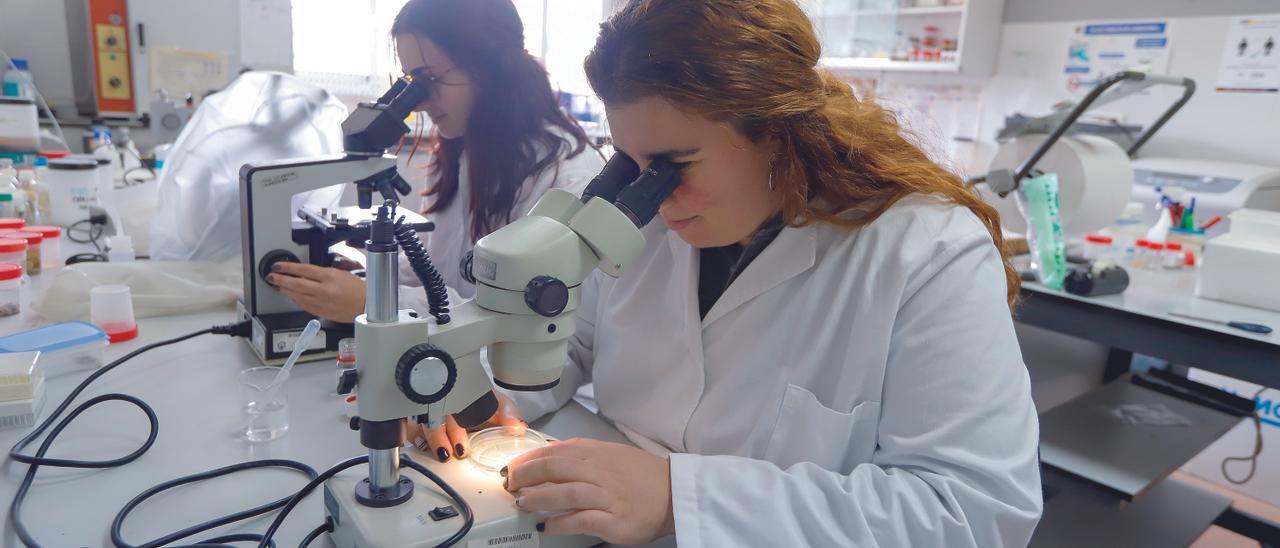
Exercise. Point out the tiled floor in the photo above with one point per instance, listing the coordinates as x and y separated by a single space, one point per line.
1217 537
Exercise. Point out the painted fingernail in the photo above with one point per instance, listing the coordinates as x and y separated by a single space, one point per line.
541 527
420 443
504 484
271 279
442 454
458 450
275 267
503 472
519 501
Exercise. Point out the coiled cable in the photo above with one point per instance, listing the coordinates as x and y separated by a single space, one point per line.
420 262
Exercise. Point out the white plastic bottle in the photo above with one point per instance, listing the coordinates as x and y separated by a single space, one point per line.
31 197
120 249
8 190
18 82
106 148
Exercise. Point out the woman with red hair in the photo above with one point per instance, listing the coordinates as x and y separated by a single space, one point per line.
816 346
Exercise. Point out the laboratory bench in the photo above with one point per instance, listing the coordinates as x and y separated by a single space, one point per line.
1114 476
193 388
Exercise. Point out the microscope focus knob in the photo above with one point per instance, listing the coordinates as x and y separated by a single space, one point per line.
271 258
426 373
546 295
465 267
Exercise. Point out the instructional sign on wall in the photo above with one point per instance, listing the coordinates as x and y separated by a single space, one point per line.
1098 50
1251 56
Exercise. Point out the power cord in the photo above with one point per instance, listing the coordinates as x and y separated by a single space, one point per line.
1257 448
326 527
464 508
34 462
238 329
117 524
92 235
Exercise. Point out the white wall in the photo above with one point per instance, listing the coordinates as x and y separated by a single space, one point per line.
1028 79
243 29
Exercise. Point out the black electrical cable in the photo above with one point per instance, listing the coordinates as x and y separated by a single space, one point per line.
117 537
463 507
326 527
94 233
34 462
420 261
1252 458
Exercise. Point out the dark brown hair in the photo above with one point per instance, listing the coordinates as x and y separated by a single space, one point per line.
508 129
753 64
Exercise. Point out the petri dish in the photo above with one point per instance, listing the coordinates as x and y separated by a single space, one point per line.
493 448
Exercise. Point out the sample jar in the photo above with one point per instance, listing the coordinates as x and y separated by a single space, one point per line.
33 240
13 250
10 289
50 246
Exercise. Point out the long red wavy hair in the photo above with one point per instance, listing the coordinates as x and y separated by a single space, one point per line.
753 64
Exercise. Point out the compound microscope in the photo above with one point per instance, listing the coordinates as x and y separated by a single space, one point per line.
271 232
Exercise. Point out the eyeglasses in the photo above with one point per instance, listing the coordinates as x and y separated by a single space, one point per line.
435 80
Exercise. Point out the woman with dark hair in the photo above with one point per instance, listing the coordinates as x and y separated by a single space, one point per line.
499 139
815 347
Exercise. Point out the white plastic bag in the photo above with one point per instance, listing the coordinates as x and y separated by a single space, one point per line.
158 288
260 116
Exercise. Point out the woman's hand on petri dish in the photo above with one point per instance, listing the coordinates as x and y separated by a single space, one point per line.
452 441
330 293
618 493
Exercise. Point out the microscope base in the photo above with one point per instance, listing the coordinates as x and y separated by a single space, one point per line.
497 522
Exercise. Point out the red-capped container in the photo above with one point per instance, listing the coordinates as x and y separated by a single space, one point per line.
11 222
10 289
13 251
33 240
50 246
1097 247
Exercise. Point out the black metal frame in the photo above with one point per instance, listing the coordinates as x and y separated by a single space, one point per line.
1129 332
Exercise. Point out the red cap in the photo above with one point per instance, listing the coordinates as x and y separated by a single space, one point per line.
1190 258
1142 242
10 222
10 271
1157 246
32 238
12 245
51 154
1173 246
1098 238
46 231
117 333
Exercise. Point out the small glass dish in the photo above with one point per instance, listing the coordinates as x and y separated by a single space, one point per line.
493 448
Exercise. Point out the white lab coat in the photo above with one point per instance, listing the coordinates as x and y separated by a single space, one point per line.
849 388
451 239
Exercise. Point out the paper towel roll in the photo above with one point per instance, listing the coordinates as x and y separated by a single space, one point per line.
1095 180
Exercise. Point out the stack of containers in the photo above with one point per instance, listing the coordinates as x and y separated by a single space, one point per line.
21 389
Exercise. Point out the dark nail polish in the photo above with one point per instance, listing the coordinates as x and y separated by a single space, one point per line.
275 267
504 484
541 527
442 454
458 450
503 472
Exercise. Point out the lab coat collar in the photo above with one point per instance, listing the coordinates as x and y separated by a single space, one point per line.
792 253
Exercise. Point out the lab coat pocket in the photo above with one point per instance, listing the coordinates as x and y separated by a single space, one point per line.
808 431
